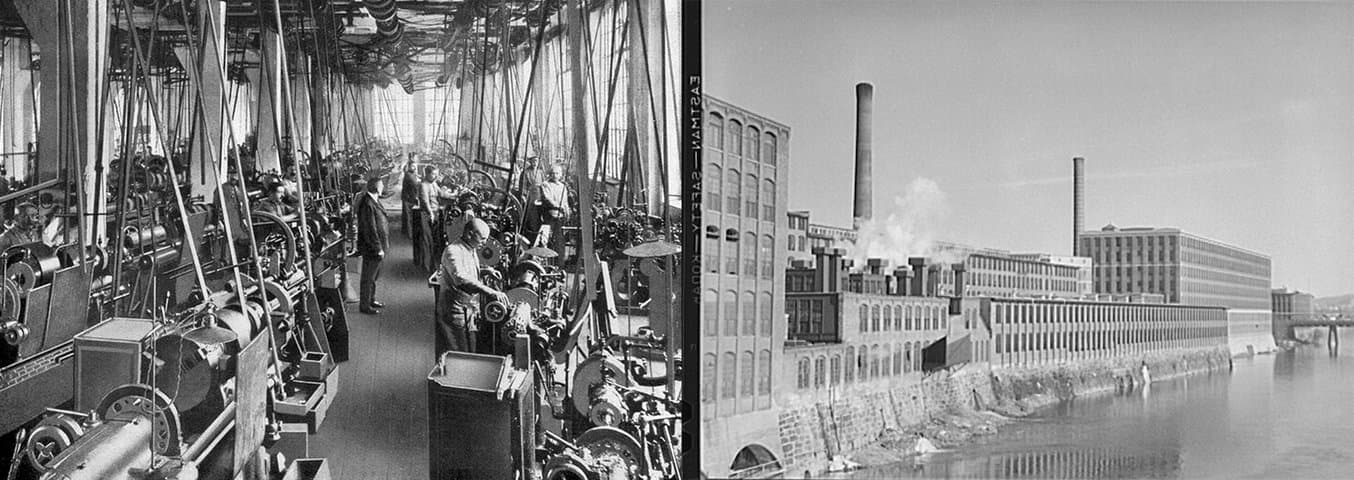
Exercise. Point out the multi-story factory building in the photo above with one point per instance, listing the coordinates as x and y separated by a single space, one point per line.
742 287
1188 269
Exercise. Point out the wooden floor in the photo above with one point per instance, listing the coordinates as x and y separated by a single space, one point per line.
377 427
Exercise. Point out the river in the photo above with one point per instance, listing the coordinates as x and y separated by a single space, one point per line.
1281 416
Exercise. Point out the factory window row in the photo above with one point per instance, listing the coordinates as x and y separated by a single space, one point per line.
736 375
835 369
797 243
801 281
755 319
1033 333
754 253
874 318
977 263
806 318
1206 260
1207 248
735 140
1253 281
1009 280
741 194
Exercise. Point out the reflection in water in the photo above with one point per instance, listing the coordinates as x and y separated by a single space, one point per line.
1287 415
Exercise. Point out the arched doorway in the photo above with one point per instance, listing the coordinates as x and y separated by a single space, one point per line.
755 461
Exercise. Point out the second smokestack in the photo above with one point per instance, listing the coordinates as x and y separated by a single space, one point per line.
864 157
1078 214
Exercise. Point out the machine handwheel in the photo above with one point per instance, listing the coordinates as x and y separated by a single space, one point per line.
151 403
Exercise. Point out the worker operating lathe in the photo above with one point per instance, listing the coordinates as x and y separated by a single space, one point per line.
27 227
461 287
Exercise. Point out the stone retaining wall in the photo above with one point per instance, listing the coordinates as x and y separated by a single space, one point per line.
854 417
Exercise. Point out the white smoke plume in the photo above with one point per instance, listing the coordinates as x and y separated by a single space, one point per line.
908 229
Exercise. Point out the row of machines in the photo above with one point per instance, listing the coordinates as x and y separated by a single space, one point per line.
188 343
555 391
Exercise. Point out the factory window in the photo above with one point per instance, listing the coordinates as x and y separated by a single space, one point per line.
907 318
768 259
819 372
836 369
734 139
874 361
732 199
711 250
708 378
750 143
730 313
714 179
749 314
769 148
731 252
710 311
850 363
916 356
864 317
888 318
749 254
727 386
803 373
768 200
764 372
816 316
750 196
862 365
884 361
898 361
745 375
715 134
766 313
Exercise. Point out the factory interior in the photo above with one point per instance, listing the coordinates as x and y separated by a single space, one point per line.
340 239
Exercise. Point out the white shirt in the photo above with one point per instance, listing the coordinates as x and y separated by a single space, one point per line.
553 193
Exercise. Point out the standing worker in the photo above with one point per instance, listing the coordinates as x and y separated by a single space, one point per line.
373 240
459 291
429 198
552 203
408 196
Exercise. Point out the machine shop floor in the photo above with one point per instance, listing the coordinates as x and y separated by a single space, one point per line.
377 428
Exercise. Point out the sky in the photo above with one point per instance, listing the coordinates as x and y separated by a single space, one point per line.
1233 121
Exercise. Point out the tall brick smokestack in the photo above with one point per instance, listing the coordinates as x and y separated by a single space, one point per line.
864 193
1078 202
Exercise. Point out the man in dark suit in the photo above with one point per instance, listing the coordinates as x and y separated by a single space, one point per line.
372 242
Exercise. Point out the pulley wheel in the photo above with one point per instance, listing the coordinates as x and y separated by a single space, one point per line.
53 435
589 373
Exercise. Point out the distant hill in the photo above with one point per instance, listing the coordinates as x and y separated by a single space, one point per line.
1346 301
